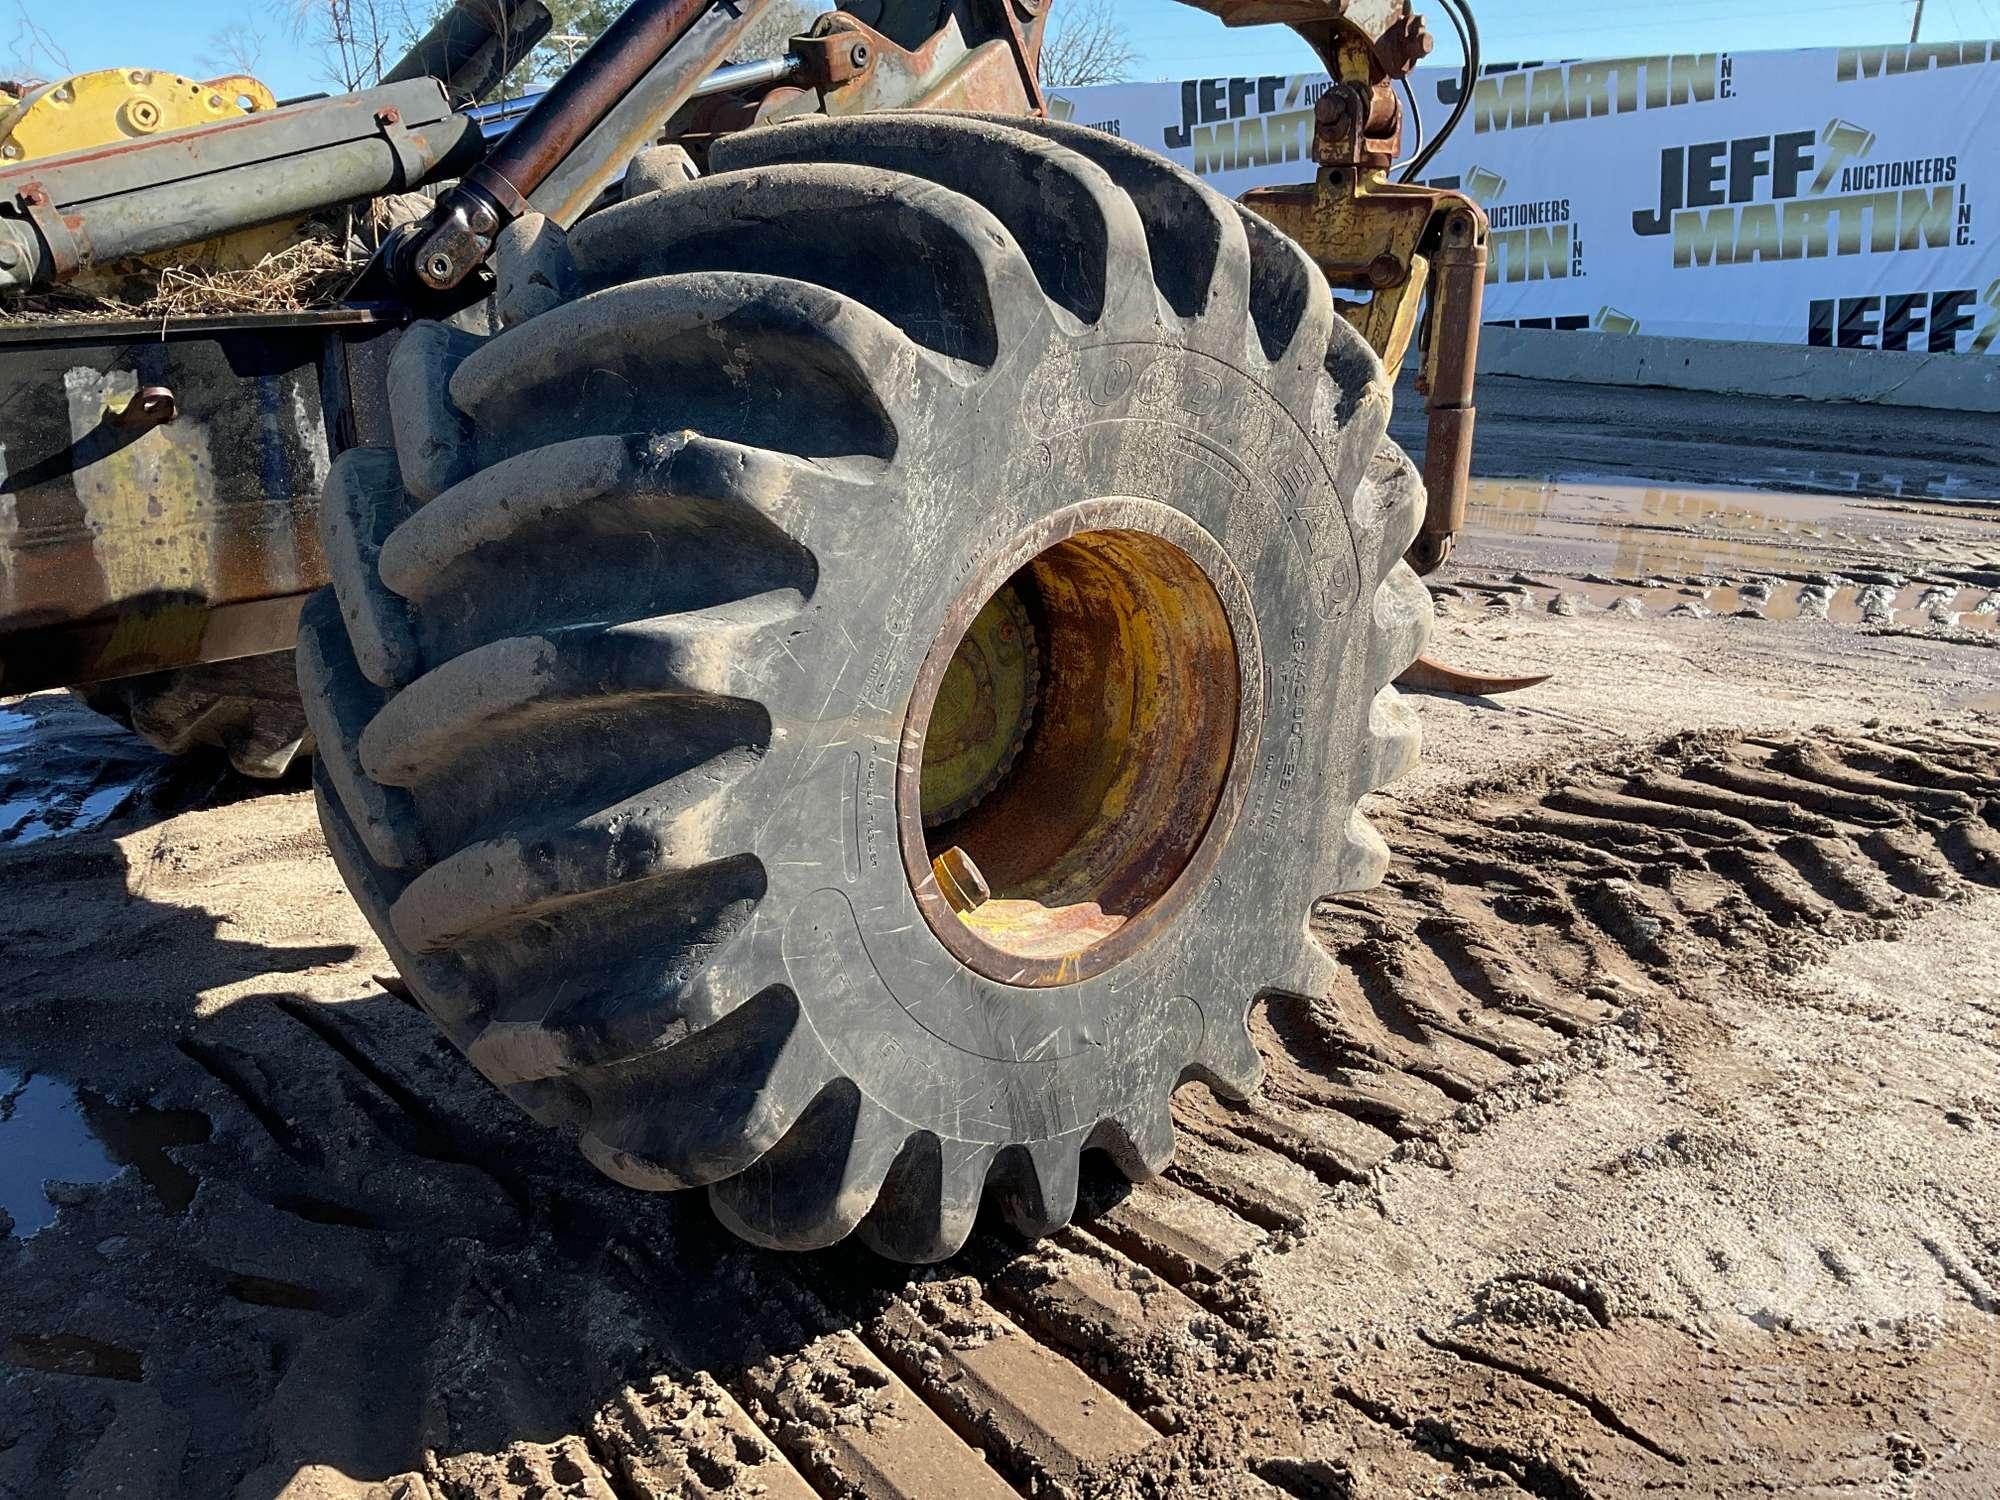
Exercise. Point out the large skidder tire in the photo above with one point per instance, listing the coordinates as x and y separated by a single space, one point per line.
626 690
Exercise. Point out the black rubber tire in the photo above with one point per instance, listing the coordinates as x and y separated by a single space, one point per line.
248 709
609 688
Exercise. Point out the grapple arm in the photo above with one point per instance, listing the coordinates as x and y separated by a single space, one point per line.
1401 247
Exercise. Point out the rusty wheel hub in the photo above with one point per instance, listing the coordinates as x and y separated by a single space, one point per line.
1075 727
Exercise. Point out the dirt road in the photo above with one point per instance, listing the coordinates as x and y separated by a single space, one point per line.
1642 1139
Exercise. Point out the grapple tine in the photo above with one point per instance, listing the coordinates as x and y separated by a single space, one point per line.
1436 677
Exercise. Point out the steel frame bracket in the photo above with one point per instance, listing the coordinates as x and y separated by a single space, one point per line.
64 238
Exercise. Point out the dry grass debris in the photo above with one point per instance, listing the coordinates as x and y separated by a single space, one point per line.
302 276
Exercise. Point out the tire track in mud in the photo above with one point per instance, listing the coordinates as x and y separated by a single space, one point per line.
565 1337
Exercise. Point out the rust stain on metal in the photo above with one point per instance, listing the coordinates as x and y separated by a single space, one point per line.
1103 828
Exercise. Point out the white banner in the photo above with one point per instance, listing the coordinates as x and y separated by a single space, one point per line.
1834 196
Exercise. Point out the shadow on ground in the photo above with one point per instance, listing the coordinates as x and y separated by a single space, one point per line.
352 1258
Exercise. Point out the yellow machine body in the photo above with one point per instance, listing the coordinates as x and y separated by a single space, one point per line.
113 105
120 104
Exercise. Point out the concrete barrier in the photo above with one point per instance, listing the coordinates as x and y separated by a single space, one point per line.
1952 382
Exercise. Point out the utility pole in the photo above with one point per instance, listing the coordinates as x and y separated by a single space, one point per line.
1916 21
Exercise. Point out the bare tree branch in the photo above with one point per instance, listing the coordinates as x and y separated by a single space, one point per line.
32 54
1086 43
354 38
235 48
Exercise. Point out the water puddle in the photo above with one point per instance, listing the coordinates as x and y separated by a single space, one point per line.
64 769
53 1132
1627 531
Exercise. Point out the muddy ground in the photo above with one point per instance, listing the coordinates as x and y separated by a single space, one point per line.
1643 1141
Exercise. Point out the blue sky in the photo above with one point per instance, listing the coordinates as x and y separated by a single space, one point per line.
1173 41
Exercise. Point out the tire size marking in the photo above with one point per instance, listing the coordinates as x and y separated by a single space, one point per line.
1285 752
875 799
850 791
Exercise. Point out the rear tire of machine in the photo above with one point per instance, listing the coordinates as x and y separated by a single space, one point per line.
623 676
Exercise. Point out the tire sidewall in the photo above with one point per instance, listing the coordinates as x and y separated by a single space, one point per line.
928 1038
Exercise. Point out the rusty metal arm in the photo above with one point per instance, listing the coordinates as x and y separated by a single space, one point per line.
1448 351
662 54
578 136
986 73
634 122
63 214
1403 247
986 60
474 45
